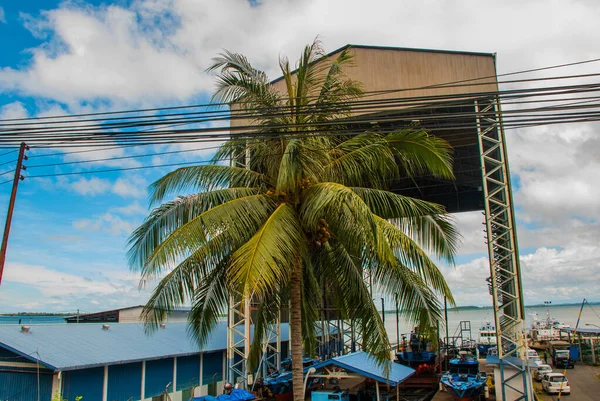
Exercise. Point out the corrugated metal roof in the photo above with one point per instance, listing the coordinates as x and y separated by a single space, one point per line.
364 364
583 330
76 346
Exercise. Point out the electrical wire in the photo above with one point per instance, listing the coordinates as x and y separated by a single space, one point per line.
440 85
173 135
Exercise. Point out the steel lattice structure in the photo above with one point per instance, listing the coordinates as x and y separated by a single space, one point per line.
505 280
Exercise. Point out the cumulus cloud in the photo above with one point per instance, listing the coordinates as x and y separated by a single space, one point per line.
12 111
154 52
134 187
2 16
157 51
132 209
90 186
61 291
108 223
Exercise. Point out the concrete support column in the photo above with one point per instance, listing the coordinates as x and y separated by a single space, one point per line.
201 371
56 383
105 385
143 389
174 375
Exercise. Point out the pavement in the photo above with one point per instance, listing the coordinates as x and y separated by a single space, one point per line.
584 382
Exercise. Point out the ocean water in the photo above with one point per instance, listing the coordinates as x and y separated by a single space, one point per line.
16 319
566 314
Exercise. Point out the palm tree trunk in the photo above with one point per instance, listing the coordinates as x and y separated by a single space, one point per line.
296 331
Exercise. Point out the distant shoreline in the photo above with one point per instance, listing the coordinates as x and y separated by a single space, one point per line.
459 308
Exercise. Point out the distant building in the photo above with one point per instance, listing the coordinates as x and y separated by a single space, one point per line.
130 314
110 362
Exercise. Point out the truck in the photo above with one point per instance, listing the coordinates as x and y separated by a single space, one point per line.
563 354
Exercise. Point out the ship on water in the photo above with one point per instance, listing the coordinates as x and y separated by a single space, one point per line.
463 381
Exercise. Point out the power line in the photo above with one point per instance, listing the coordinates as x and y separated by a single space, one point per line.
77 133
121 157
367 93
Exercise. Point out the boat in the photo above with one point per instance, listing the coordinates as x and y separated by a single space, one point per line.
547 329
278 387
463 381
487 338
417 353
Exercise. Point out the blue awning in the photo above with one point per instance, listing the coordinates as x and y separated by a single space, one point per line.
365 365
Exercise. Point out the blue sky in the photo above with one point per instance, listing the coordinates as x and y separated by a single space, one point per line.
69 233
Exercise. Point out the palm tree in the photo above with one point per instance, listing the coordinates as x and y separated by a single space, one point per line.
303 219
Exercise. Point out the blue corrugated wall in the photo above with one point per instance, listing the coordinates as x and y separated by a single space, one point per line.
212 367
159 373
87 383
188 371
124 382
16 386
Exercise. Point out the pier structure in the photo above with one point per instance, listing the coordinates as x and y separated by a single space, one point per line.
452 95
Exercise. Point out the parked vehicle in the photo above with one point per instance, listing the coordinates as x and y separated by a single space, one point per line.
539 371
531 353
554 383
562 354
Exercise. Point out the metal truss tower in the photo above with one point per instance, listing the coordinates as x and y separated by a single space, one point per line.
505 280
238 339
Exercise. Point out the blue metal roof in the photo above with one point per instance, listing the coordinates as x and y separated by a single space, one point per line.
76 346
365 365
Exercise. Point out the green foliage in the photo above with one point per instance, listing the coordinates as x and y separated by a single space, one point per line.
58 397
309 197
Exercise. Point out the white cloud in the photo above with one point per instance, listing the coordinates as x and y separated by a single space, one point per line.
133 187
107 222
12 111
50 289
91 186
132 209
2 16
157 51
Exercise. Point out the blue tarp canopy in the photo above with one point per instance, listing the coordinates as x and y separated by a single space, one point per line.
365 364
236 395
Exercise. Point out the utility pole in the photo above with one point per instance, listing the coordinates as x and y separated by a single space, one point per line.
11 204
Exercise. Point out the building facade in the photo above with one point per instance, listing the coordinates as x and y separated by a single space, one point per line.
102 362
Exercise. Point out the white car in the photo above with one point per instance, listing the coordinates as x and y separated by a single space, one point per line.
539 371
554 383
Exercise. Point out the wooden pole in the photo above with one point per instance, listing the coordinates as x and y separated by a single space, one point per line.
11 206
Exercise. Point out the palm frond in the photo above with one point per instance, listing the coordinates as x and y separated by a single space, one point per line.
364 159
265 260
233 220
435 233
353 298
390 205
204 178
421 153
210 301
350 219
419 303
408 252
169 216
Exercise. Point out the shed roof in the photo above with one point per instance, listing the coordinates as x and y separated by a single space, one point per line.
77 346
365 364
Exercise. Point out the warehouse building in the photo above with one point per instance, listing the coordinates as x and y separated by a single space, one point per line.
130 314
109 362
